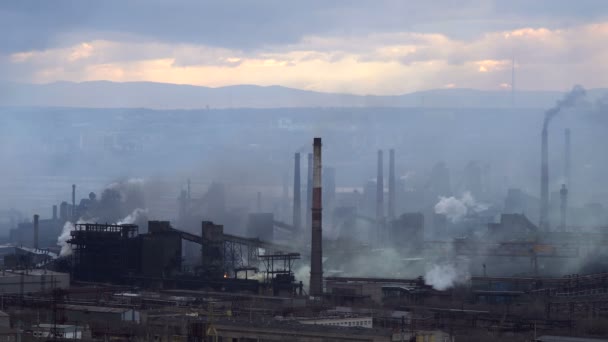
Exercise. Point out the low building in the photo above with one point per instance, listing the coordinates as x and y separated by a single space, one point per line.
61 331
31 281
85 313
340 321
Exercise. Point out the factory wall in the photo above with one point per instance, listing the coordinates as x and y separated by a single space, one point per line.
33 281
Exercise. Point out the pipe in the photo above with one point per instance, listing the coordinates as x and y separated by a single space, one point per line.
297 204
73 203
563 206
316 255
259 202
544 181
567 158
380 197
391 184
309 191
36 217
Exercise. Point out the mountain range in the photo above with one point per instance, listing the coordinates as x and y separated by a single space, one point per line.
105 94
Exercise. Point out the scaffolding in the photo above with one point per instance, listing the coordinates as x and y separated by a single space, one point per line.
104 252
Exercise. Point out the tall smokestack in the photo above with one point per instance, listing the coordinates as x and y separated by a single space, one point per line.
380 196
259 202
391 183
563 206
308 191
55 212
567 158
36 231
189 192
544 180
73 202
297 204
316 254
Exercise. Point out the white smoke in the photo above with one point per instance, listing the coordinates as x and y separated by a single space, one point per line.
303 274
62 240
444 276
456 208
136 217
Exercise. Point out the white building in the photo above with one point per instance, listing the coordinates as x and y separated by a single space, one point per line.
341 321
64 331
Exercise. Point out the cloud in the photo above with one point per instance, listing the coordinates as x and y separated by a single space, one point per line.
243 24
368 63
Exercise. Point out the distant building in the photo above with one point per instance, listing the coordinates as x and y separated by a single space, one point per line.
341 321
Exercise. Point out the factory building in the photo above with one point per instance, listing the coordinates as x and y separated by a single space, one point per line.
28 281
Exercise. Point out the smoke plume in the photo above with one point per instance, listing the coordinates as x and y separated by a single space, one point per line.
456 208
567 101
444 276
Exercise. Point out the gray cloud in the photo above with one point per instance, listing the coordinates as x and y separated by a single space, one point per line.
255 24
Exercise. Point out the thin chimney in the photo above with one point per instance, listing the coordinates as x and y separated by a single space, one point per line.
544 180
380 197
36 231
567 158
259 202
316 255
73 203
563 206
308 191
391 184
297 204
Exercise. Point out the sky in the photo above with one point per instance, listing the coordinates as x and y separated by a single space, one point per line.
360 47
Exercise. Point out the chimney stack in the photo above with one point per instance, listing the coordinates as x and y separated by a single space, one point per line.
391 184
73 203
544 181
567 158
563 206
316 255
380 197
308 191
297 204
36 231
259 202
54 212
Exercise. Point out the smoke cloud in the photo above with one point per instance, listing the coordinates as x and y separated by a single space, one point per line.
457 208
444 276
568 100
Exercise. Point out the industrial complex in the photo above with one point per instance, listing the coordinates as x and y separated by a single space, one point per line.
314 260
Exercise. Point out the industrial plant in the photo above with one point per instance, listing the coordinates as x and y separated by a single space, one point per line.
315 261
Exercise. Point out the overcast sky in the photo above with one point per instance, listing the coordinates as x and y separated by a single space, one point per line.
362 47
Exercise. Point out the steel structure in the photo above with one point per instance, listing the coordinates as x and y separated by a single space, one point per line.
104 251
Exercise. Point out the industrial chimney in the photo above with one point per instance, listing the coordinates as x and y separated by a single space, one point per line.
380 197
563 206
36 231
297 204
567 157
316 254
308 191
544 180
391 184
73 203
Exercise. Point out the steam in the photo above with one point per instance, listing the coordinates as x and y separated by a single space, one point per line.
457 208
62 240
567 101
138 216
444 276
303 274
